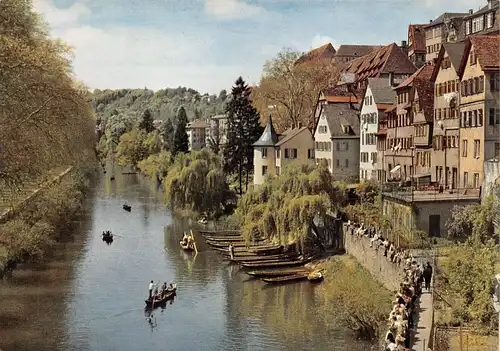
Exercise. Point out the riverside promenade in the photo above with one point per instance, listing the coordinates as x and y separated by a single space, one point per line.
425 313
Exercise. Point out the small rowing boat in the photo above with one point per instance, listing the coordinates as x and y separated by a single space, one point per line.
264 273
278 264
127 208
161 300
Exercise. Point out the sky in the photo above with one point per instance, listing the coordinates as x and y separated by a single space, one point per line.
207 44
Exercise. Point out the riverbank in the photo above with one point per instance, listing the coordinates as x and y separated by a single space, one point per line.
42 218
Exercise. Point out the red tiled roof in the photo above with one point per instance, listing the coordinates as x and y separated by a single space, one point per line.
387 59
424 72
486 48
417 33
326 51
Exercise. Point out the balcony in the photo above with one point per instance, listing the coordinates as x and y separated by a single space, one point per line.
429 193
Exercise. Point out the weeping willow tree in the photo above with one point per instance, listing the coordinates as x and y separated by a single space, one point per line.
196 182
283 207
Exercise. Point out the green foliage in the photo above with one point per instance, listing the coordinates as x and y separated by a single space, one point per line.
120 110
353 298
146 123
196 182
180 143
156 165
243 129
474 221
136 145
466 283
282 208
44 219
167 133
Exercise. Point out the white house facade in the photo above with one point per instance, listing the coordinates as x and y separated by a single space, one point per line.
368 137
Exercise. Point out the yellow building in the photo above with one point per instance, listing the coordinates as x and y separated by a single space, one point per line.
446 126
479 74
273 152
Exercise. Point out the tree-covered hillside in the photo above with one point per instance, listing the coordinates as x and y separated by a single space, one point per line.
129 104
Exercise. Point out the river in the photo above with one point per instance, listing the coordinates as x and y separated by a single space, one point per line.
90 296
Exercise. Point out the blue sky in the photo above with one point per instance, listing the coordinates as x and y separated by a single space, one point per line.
207 44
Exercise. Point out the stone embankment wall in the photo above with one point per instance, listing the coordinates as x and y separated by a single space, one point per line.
388 274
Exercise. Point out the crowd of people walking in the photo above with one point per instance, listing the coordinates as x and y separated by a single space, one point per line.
401 317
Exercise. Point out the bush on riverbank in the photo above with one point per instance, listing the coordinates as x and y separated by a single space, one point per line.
353 298
196 182
29 236
137 145
283 207
156 166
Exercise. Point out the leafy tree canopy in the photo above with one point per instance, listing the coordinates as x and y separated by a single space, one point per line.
293 88
282 208
137 145
180 142
45 118
196 182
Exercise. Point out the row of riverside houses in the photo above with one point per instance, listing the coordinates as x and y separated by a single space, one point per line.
422 118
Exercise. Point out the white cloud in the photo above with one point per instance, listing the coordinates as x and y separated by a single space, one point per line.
230 9
61 17
134 57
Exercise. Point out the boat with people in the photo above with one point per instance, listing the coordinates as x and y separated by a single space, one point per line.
187 243
107 236
127 208
162 297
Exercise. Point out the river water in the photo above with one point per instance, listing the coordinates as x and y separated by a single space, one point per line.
90 296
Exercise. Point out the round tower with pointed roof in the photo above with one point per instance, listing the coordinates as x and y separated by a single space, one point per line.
264 154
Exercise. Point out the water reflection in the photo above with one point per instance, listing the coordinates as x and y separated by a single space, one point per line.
91 296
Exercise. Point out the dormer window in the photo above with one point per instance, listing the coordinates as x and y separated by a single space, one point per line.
472 57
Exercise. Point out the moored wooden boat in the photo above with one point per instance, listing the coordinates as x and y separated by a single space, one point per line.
225 239
170 293
277 264
285 278
263 273
270 261
315 276
220 232
225 244
238 259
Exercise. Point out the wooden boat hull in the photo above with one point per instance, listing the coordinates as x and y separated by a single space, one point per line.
225 238
159 302
276 272
220 232
238 259
285 279
236 245
276 264
264 261
186 247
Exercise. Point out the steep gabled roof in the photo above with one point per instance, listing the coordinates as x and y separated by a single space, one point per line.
326 51
381 90
269 136
290 134
356 50
387 59
423 73
455 52
486 48
197 124
445 16
495 4
339 115
416 31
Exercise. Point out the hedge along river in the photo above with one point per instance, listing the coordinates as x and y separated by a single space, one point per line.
90 296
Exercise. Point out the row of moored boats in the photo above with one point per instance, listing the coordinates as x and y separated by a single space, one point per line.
260 259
